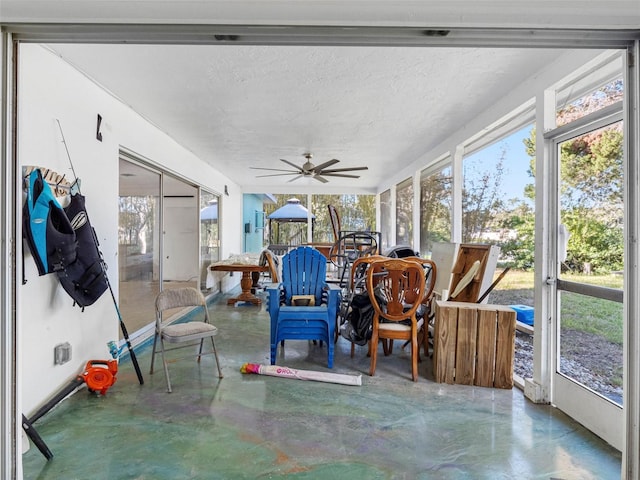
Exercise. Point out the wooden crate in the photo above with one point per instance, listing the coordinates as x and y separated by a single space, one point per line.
487 256
474 344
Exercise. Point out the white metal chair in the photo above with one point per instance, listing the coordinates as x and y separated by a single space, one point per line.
188 333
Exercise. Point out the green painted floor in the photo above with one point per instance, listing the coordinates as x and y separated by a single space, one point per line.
254 426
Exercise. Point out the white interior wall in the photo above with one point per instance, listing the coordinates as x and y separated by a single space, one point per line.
50 89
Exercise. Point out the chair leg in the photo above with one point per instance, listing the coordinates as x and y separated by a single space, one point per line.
425 340
374 354
166 366
387 347
153 353
200 349
215 354
414 358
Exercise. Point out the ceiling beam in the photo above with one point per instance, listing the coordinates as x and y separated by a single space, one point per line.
320 35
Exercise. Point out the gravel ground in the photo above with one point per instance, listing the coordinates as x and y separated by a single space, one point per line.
591 360
587 358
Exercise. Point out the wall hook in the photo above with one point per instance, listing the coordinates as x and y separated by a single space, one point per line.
98 132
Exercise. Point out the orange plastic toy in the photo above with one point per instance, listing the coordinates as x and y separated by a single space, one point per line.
99 375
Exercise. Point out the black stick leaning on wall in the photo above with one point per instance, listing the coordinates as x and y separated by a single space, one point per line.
103 264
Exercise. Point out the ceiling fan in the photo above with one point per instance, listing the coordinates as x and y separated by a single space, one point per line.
308 169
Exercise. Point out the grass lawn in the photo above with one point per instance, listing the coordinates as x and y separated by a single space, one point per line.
579 312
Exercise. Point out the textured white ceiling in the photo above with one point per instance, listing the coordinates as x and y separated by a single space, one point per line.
243 106
237 106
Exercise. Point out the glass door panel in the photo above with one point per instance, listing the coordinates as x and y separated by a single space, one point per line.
138 244
180 228
589 321
209 237
590 347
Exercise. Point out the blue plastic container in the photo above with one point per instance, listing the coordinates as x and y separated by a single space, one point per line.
524 313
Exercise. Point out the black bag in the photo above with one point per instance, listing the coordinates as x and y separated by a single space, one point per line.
84 279
359 323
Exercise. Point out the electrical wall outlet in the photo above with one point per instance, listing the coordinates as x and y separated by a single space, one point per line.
62 353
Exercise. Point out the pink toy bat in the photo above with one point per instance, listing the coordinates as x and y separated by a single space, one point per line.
286 372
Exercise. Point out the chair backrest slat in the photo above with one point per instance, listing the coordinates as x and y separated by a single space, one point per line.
304 272
393 294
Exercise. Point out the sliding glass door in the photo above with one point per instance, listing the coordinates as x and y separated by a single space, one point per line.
167 236
138 243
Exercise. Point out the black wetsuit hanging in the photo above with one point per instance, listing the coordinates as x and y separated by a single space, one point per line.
46 227
84 280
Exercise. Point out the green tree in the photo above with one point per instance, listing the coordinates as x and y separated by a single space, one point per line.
136 222
520 249
591 192
481 199
435 213
593 241
404 212
356 212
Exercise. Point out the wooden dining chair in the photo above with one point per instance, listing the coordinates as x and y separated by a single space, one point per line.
334 217
425 310
396 288
357 285
268 258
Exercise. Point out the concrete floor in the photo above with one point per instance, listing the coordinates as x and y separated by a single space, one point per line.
254 426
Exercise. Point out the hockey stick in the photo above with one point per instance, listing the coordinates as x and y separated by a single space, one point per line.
103 265
493 285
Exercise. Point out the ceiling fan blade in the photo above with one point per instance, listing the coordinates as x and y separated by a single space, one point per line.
343 175
273 169
319 168
346 169
320 179
295 178
276 174
298 169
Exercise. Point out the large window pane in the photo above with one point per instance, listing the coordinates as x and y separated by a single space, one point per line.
435 208
288 230
404 212
569 110
385 219
499 208
356 212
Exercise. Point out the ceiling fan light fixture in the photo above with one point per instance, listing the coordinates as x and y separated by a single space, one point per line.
309 170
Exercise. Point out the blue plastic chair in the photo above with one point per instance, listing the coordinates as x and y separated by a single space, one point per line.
303 273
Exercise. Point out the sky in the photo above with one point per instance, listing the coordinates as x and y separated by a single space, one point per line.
516 164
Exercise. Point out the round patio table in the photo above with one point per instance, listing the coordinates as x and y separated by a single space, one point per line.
246 282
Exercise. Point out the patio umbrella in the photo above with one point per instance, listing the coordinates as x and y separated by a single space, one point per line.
210 212
292 211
